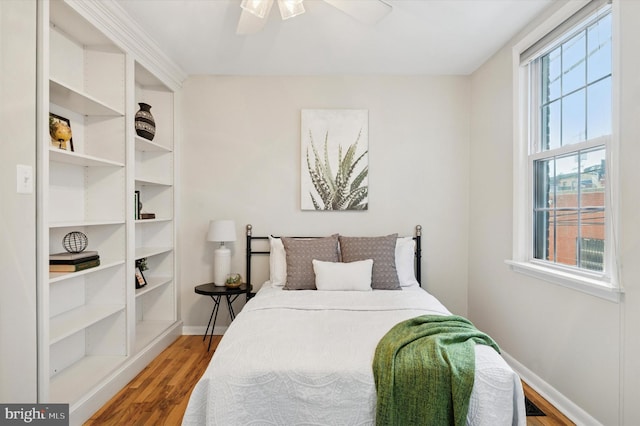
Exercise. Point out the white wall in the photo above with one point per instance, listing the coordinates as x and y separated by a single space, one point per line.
580 346
630 205
241 160
17 211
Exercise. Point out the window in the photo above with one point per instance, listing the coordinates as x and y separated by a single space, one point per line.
567 130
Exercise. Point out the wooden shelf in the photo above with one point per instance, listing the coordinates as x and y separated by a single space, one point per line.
77 159
145 145
82 223
68 323
151 251
152 181
156 220
153 282
61 276
76 381
76 100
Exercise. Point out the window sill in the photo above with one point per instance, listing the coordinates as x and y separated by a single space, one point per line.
594 287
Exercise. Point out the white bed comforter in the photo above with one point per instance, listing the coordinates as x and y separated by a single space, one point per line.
305 357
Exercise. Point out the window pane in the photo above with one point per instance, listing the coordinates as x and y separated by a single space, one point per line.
551 126
592 178
569 201
573 63
567 182
544 172
543 236
599 109
573 118
591 252
551 72
599 48
566 229
544 184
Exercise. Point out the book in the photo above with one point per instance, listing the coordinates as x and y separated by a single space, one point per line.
136 201
73 261
73 256
75 268
147 215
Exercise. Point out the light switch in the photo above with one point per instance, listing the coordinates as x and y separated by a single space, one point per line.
24 179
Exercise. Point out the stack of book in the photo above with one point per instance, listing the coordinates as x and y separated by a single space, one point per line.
73 262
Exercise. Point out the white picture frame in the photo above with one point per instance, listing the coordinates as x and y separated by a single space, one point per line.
334 163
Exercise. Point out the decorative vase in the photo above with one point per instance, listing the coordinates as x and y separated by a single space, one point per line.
145 124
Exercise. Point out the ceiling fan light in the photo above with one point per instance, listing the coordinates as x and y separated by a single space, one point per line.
256 7
290 8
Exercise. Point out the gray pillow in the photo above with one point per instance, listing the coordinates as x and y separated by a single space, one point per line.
383 252
300 253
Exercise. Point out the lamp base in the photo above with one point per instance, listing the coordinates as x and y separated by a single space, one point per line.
221 266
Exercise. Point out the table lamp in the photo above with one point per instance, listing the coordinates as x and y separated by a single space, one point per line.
221 231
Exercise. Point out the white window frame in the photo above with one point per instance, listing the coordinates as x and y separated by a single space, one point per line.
604 285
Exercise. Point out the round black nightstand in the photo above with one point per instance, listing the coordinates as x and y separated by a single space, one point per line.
216 292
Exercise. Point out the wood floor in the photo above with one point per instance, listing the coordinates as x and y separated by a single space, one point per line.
160 393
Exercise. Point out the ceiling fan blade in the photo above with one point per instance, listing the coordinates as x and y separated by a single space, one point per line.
365 11
250 23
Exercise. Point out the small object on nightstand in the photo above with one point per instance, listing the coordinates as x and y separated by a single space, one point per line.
147 215
233 281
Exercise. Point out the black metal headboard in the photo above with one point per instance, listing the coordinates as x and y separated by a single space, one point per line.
250 252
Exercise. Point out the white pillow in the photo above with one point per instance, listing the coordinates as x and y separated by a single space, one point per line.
277 262
405 261
343 276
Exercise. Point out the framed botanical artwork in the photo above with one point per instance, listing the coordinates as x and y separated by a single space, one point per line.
140 280
334 159
60 132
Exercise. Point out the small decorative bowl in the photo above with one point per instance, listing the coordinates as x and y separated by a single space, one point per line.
233 281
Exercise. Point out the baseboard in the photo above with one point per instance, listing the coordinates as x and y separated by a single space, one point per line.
194 330
548 392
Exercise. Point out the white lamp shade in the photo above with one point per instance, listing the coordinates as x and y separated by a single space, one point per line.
222 231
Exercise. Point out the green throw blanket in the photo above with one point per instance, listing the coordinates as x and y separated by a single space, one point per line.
424 370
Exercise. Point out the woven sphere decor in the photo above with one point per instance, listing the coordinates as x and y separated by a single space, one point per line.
75 242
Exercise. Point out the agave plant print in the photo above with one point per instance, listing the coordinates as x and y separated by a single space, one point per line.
334 163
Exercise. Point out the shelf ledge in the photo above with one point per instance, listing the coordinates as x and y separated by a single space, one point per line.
74 382
61 276
77 159
151 251
76 100
153 283
75 320
82 223
149 181
145 145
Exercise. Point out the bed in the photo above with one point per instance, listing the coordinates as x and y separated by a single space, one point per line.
305 356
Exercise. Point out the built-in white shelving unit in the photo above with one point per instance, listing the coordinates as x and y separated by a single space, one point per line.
155 238
96 330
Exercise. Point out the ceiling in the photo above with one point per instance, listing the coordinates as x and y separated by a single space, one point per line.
417 37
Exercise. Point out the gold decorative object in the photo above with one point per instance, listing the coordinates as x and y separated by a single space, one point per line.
233 281
60 132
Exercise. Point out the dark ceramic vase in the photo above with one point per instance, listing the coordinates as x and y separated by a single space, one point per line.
145 124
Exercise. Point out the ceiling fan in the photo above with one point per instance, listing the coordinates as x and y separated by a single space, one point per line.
255 12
